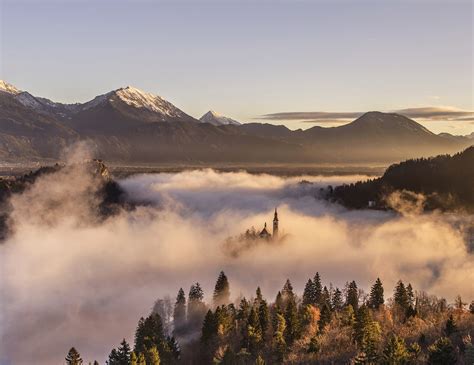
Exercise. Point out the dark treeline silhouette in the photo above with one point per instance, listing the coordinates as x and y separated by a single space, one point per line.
447 182
325 325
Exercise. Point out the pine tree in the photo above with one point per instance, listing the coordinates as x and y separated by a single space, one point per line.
410 295
263 316
292 322
152 356
279 343
287 292
209 328
318 289
179 313
308 293
442 352
73 357
325 317
150 333
196 307
253 337
353 296
376 298
258 295
348 316
123 353
113 358
450 327
174 347
337 302
221 290
395 352
401 296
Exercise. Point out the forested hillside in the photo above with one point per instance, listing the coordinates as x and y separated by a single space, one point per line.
446 182
324 325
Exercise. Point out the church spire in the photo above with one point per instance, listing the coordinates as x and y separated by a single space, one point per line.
275 224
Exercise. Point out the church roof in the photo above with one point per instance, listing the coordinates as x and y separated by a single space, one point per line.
264 231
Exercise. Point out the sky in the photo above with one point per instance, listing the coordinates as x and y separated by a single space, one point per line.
250 60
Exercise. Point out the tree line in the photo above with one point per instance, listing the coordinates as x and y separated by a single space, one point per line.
326 325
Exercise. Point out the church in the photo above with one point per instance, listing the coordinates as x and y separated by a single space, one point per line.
264 234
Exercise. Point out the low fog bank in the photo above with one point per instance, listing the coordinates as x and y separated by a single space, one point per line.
69 279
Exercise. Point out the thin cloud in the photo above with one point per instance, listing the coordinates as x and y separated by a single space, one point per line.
429 113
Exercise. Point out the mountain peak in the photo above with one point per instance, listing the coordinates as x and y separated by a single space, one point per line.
9 88
216 119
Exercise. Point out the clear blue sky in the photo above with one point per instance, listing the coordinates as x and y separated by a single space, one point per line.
247 58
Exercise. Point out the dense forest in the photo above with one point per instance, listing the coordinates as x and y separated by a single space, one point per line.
446 182
325 325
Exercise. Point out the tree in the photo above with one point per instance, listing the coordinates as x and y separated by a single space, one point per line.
471 307
400 296
314 346
221 290
376 298
318 289
141 359
352 295
292 322
253 336
209 328
279 343
73 357
287 292
337 302
459 304
152 356
113 358
179 312
325 317
450 327
133 358
348 316
395 352
149 333
442 352
263 315
308 293
196 307
123 353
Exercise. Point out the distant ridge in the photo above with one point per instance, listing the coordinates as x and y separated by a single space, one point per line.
133 126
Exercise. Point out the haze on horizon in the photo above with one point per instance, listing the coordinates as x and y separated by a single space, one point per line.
251 61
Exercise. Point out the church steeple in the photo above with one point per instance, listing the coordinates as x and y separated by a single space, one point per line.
275 224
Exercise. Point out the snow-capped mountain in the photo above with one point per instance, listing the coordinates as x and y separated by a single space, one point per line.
8 88
216 119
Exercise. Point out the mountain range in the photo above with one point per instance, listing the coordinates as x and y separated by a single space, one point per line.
128 125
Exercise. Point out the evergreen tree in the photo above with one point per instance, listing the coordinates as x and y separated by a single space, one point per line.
73 357
263 316
410 295
253 337
149 333
352 297
113 358
209 328
395 352
450 327
292 322
152 356
258 295
174 347
325 298
179 313
196 307
308 293
287 292
376 298
325 317
279 343
314 347
318 289
221 290
442 352
337 302
400 296
471 307
123 353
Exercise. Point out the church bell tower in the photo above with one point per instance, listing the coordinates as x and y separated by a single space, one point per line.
275 224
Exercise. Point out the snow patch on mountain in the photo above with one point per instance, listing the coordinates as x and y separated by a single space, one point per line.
214 118
8 88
